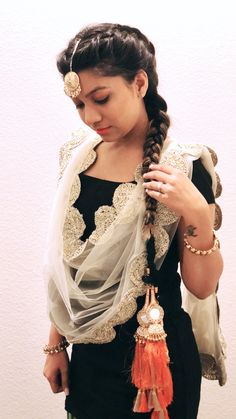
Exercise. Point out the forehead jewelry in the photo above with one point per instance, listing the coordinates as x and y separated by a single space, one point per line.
71 80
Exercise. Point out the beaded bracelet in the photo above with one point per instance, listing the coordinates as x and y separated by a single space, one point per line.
216 245
55 349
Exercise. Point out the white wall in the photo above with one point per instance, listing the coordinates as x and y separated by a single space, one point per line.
196 50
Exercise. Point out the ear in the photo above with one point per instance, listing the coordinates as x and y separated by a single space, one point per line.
141 83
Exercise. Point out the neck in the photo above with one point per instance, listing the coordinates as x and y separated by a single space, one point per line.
134 139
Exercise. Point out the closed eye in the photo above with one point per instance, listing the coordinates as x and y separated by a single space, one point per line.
102 101
80 105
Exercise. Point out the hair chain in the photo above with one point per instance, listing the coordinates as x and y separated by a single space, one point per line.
73 53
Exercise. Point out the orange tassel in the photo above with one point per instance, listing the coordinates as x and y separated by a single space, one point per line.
150 369
141 403
159 415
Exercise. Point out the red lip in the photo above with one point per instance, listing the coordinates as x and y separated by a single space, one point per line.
102 131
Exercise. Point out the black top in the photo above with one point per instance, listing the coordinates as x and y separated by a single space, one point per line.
100 386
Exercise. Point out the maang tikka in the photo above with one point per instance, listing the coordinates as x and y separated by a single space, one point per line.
72 86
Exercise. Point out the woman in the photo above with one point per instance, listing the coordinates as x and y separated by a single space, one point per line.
130 206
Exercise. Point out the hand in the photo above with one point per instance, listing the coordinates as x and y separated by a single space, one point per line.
173 188
56 371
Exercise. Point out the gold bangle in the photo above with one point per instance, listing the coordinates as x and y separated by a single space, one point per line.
216 245
55 349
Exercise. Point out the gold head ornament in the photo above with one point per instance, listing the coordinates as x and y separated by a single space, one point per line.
72 86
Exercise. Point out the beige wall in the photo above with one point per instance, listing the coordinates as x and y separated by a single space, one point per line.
196 50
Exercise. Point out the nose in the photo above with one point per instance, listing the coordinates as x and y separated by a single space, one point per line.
91 116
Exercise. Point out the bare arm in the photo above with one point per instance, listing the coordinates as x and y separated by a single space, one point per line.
56 365
200 274
174 189
54 336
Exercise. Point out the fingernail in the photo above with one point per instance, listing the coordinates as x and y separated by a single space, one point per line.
66 391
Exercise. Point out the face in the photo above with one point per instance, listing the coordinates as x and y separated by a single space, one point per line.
111 106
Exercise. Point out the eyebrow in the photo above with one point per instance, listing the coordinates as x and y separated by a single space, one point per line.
96 89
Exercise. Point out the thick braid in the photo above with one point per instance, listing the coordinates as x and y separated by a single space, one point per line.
151 154
152 151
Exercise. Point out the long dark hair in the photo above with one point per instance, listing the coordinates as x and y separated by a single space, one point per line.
112 50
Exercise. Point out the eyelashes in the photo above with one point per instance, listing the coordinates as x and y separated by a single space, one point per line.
80 106
102 101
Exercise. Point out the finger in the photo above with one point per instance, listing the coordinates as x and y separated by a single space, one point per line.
55 381
65 381
156 195
165 168
56 387
156 186
157 175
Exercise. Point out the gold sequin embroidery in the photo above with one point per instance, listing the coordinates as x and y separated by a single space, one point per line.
137 270
73 229
66 149
74 225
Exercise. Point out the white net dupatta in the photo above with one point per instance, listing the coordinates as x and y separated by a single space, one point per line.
97 287
210 341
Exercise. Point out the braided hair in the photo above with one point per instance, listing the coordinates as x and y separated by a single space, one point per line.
121 50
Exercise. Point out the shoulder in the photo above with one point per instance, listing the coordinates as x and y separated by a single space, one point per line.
203 160
191 152
181 155
77 139
203 181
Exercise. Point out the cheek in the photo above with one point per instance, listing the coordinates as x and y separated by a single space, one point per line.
126 118
131 113
123 112
129 108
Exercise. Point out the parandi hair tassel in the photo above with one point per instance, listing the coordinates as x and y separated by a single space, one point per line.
150 370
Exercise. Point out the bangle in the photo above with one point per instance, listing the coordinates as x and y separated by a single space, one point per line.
216 245
55 349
